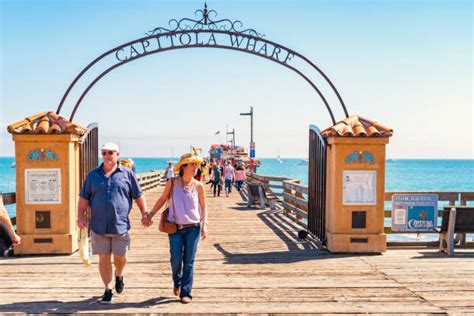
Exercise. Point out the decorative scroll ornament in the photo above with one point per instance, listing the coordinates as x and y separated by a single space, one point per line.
42 154
205 22
360 157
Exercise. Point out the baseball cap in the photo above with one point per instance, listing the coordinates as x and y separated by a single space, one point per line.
110 146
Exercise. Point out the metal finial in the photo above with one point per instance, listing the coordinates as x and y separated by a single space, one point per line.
206 13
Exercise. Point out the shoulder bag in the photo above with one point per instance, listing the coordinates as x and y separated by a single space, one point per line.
165 225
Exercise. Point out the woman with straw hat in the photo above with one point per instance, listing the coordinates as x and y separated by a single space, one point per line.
188 211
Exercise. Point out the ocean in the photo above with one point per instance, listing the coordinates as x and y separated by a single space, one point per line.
401 174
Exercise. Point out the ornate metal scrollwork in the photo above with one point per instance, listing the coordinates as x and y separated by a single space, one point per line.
205 22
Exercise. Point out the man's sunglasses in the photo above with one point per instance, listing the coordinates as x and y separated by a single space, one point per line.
110 153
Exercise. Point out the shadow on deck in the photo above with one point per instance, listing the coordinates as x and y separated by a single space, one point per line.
55 306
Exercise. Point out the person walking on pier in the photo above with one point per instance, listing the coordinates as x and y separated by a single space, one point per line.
229 176
216 179
108 191
240 177
169 173
188 210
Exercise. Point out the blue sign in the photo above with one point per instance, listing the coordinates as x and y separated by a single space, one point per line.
414 212
42 154
252 153
360 157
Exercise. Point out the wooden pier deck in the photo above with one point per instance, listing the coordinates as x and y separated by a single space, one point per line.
252 262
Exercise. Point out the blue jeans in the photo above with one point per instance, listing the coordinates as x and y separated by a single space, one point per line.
183 246
239 185
228 185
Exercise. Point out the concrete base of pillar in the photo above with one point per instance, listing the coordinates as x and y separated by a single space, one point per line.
47 244
350 243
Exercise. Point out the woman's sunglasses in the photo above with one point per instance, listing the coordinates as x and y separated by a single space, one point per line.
110 153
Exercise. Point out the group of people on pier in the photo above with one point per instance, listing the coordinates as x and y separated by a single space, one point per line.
217 173
109 191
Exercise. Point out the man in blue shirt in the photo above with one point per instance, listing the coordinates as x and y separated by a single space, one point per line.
109 191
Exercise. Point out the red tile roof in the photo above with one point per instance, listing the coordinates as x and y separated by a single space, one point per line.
356 125
46 123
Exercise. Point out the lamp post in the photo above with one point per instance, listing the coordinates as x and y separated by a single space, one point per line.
233 137
252 144
251 122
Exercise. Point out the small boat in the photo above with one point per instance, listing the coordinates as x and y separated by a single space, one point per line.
278 158
13 165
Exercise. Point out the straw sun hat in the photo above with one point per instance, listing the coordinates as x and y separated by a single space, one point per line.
187 159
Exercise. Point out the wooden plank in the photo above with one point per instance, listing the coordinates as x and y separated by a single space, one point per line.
388 230
297 187
300 202
299 212
9 198
465 197
265 178
295 219
263 270
275 186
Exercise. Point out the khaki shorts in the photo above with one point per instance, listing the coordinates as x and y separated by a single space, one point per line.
109 243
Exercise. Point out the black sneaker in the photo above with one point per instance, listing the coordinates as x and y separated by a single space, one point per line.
119 285
107 297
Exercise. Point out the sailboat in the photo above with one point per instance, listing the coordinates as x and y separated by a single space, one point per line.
172 159
278 158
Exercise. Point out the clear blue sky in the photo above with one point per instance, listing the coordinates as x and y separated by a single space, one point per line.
406 64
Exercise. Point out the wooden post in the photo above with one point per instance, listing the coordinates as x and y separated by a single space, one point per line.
261 194
452 223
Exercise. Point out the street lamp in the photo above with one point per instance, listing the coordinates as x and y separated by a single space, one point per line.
252 144
233 136
251 123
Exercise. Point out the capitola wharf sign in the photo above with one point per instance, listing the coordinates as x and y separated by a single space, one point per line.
187 39
203 32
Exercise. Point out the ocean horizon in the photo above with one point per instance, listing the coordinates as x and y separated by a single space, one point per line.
404 175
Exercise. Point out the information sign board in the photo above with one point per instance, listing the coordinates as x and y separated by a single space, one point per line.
43 186
359 187
414 212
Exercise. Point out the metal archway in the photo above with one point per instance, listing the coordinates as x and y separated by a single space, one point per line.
189 33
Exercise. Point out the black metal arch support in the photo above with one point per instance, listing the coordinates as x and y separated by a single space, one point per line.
174 33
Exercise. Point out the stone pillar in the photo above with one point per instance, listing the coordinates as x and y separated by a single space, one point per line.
355 194
355 185
47 185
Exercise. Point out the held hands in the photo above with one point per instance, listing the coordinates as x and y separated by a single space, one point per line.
146 219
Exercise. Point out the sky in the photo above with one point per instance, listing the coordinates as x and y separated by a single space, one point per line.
405 64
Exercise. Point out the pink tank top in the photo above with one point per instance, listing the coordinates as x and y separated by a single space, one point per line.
184 205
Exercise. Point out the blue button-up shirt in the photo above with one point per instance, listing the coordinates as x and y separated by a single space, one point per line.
110 199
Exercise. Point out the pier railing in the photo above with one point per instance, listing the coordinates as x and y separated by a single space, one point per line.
293 196
293 201
147 181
